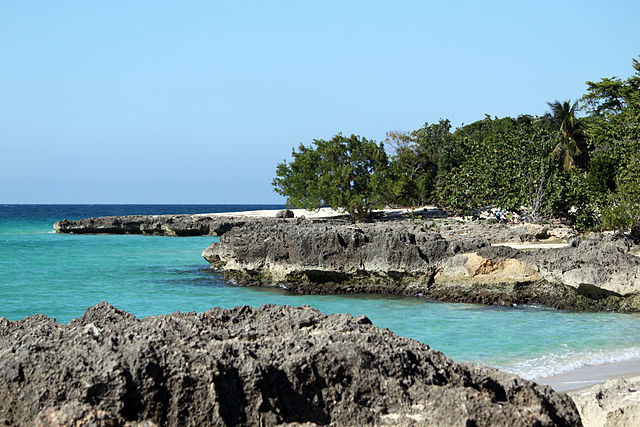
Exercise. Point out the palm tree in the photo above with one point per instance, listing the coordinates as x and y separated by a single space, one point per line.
563 119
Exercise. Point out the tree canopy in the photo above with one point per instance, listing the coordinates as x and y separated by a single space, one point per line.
613 131
343 173
420 159
581 168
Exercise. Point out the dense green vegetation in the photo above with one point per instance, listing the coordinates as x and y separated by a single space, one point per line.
579 162
347 173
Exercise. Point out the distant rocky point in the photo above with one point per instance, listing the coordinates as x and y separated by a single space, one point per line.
245 366
214 224
158 225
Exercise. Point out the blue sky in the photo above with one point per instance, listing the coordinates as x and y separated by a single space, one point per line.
197 101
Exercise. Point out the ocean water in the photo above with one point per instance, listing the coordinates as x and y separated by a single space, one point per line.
60 275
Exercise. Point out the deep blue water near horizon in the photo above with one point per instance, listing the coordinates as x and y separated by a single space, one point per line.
60 275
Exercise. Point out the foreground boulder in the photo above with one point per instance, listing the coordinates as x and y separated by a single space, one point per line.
246 366
452 262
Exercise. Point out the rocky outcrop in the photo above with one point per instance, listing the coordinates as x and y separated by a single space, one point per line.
614 403
446 262
246 366
306 256
158 225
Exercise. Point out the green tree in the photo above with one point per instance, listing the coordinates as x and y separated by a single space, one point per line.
343 173
420 158
623 211
613 133
508 163
411 178
563 119
611 95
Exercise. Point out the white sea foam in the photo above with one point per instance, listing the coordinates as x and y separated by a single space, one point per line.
566 361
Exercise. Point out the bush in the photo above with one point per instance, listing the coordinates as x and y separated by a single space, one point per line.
623 210
602 174
507 163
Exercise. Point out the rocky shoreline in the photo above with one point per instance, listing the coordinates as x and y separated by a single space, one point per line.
435 257
247 366
474 262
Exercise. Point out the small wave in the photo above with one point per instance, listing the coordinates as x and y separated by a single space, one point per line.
561 362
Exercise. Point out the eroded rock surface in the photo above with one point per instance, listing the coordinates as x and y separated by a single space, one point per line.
248 366
447 262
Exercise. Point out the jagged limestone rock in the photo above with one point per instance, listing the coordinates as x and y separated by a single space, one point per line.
248 366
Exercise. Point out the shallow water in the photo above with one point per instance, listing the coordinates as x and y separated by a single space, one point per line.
60 275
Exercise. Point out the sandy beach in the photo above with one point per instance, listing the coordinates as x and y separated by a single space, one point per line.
315 213
266 213
614 403
605 395
588 376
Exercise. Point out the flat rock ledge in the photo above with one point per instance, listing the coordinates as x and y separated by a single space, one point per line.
265 366
159 225
476 262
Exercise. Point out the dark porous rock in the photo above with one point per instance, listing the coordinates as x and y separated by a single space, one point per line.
266 366
285 213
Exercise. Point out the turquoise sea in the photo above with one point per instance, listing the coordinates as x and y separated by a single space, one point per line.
60 275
